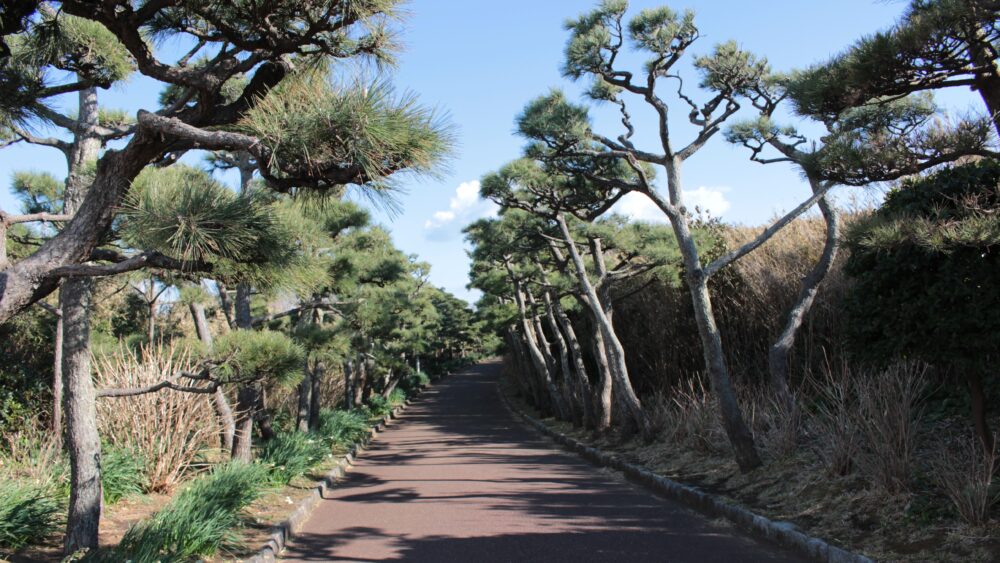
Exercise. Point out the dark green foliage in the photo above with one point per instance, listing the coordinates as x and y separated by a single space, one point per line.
926 267
290 454
199 521
397 398
38 191
25 366
28 513
123 473
263 354
380 406
315 127
184 212
342 428
414 381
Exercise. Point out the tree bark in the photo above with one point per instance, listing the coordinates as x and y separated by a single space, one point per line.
739 435
315 404
569 390
305 400
219 401
615 350
782 347
248 394
83 441
605 395
586 393
534 351
57 382
349 394
201 324
978 396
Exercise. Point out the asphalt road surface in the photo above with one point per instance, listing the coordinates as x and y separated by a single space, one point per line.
457 478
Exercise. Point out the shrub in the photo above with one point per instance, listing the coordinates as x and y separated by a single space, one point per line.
290 454
342 428
380 406
836 419
167 429
199 521
414 381
28 512
123 473
397 398
695 420
963 469
891 404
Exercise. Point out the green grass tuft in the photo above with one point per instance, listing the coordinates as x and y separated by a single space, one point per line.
291 454
123 473
28 512
200 520
342 428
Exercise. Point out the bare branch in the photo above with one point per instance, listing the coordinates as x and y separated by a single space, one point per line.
764 236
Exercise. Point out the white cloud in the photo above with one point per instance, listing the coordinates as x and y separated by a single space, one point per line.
466 204
641 208
712 200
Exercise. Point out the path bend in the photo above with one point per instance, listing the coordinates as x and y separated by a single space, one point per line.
458 479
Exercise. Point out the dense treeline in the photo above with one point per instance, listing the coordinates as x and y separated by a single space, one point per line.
787 338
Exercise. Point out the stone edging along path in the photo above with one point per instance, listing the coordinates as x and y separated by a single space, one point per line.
784 533
284 531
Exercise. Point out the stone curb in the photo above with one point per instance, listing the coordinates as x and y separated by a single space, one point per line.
287 528
782 533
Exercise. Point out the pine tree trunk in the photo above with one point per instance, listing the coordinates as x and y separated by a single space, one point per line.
615 351
315 404
988 80
778 363
82 437
583 387
569 390
605 390
247 396
57 383
305 400
541 368
979 418
349 386
201 324
83 441
739 435
219 401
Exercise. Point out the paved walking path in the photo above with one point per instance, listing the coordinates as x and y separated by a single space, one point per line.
458 479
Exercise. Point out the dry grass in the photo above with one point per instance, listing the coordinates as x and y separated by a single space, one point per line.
169 428
963 469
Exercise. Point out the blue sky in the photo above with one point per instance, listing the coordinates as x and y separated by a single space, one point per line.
481 61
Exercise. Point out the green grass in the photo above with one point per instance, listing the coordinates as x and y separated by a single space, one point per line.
123 474
397 398
28 512
199 521
340 428
290 454
379 406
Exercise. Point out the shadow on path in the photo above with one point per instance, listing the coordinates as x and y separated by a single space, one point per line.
458 479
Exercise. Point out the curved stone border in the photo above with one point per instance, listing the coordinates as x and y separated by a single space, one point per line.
287 528
782 533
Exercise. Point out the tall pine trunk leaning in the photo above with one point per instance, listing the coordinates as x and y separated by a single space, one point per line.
219 400
612 345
